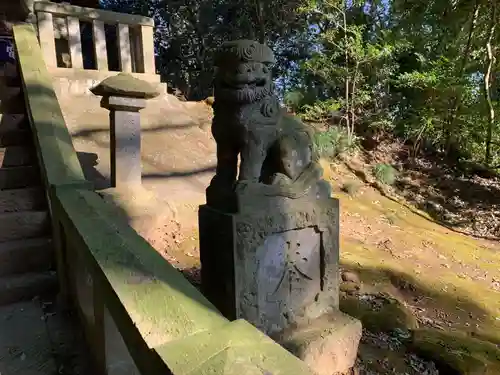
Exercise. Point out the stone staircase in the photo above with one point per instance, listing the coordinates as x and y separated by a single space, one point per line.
26 253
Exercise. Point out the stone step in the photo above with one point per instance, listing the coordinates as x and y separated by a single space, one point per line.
23 256
13 104
9 70
15 138
13 121
10 75
10 92
23 225
19 177
25 287
18 200
17 156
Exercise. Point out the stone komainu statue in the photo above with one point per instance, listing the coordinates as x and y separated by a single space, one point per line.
269 235
276 149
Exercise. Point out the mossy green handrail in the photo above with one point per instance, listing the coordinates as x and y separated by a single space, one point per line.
167 325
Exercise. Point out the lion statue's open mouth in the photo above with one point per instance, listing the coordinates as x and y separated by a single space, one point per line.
243 88
242 84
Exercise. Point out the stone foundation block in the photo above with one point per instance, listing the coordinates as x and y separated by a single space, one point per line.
328 344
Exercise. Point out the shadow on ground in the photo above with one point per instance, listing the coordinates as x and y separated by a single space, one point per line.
89 162
397 339
396 303
458 199
461 199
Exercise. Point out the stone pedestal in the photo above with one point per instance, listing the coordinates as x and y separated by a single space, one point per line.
274 262
328 345
125 139
124 96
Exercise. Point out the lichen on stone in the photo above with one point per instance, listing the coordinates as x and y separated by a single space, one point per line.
125 85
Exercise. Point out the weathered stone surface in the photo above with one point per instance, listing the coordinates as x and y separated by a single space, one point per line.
9 122
126 166
15 138
276 150
22 225
124 96
90 13
269 234
289 275
147 298
19 177
78 82
27 199
10 92
54 143
22 256
9 74
217 256
16 156
328 345
25 287
273 267
235 348
160 302
12 102
126 85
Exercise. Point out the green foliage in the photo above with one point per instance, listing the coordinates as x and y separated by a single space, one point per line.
294 99
413 68
333 142
320 111
385 173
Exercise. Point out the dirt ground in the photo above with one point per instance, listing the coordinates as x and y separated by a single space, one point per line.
428 296
422 291
434 283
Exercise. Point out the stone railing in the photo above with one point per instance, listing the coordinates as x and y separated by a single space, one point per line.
140 315
60 35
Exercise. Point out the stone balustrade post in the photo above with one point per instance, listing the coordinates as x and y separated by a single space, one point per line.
75 42
124 96
47 38
148 50
100 47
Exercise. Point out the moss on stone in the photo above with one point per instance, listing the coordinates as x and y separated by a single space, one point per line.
125 85
55 150
379 313
235 348
458 352
133 277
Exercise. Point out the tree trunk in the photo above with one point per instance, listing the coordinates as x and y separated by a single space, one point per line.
348 95
487 84
261 22
457 101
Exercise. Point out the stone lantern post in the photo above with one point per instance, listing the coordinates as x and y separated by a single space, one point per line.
124 96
